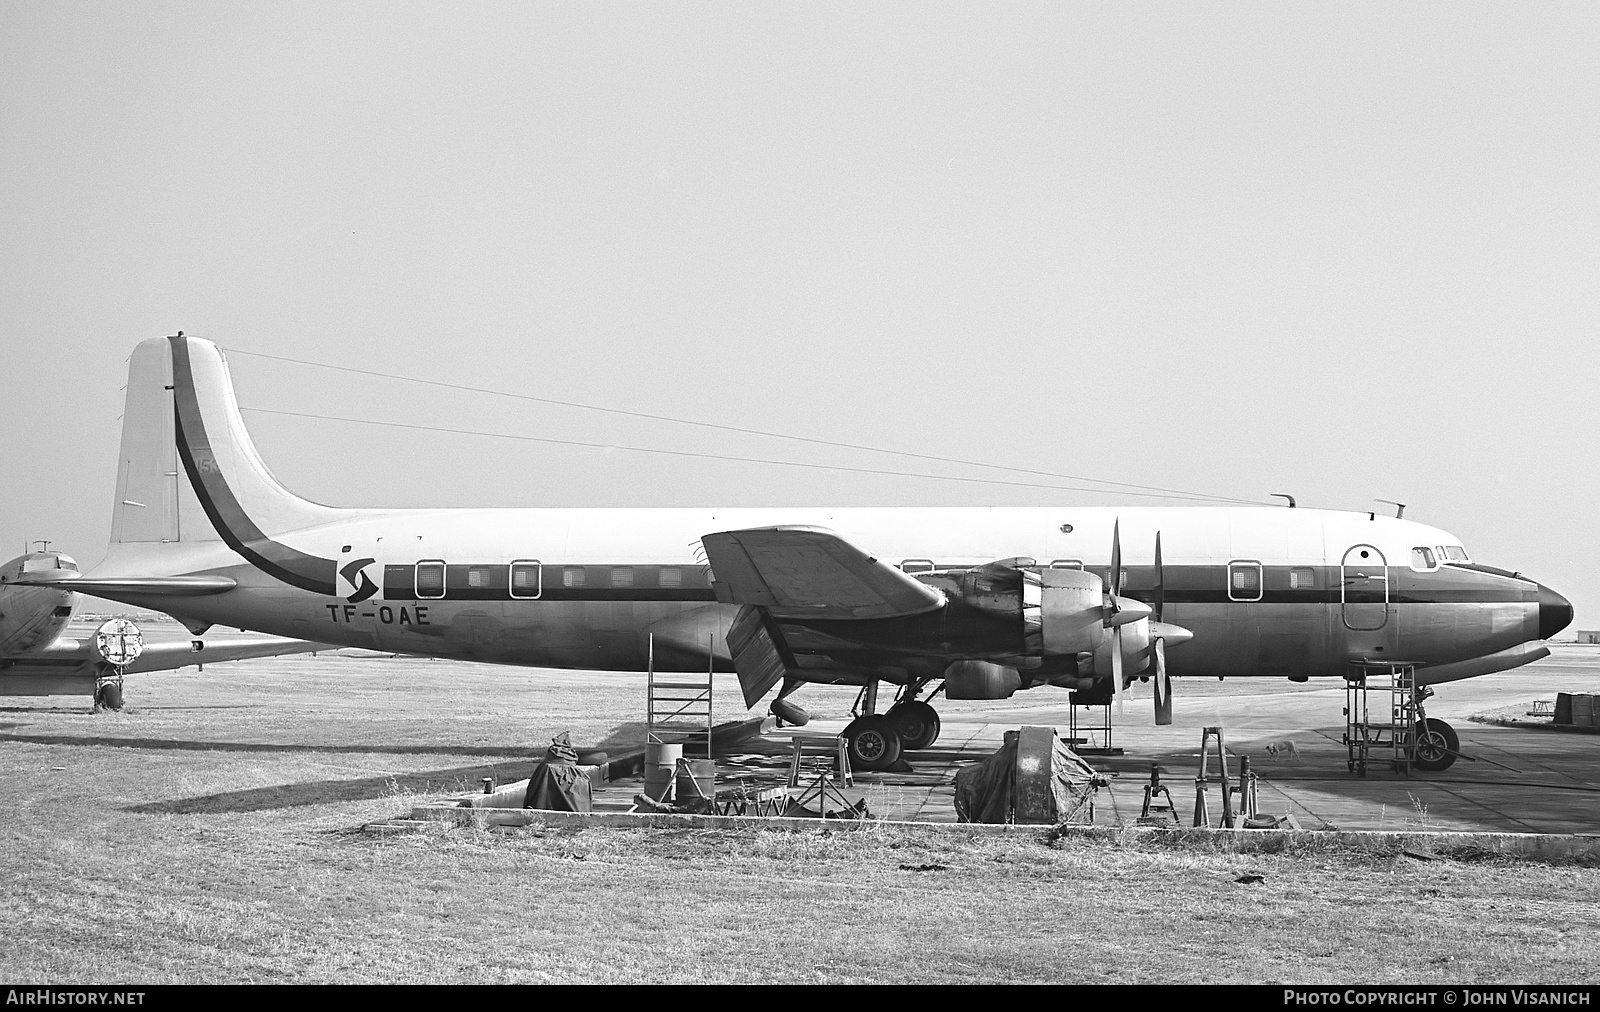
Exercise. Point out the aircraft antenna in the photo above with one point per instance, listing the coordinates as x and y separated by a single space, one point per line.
1155 491
1399 507
44 546
1285 495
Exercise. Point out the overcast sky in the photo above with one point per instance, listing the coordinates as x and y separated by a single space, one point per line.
1344 251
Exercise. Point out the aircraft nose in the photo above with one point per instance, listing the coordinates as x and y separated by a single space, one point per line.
1555 612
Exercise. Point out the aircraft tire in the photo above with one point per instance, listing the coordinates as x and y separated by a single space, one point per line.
108 697
1437 746
873 743
917 722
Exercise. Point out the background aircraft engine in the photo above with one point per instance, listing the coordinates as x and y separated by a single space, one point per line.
1135 640
980 680
34 616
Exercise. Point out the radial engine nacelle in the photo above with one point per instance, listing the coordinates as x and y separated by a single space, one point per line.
1058 612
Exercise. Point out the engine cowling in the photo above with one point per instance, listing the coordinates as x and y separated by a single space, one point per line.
1064 611
1059 612
33 616
1135 650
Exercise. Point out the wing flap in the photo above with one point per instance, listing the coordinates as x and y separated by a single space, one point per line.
808 572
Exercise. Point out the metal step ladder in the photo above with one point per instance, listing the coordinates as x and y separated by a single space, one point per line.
678 706
1380 707
1090 736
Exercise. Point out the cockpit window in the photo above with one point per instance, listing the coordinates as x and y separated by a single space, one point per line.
1423 558
1455 553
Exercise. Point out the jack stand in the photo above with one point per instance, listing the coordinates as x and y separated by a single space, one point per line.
1201 815
1154 791
1247 790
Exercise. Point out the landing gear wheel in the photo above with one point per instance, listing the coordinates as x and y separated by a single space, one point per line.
917 722
108 697
873 742
1437 746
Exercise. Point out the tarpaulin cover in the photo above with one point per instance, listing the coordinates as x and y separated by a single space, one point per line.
1034 778
557 784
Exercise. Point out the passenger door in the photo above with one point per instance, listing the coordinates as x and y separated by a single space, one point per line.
1364 589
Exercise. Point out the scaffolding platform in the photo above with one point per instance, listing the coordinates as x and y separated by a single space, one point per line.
1381 713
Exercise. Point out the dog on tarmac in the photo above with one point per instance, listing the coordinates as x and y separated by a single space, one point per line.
1284 749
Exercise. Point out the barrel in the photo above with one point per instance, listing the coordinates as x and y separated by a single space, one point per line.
697 776
660 762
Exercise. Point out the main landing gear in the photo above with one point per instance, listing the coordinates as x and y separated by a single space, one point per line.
876 740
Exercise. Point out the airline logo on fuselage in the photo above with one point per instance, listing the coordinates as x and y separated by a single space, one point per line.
355 585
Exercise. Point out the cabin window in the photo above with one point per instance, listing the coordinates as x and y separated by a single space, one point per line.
525 579
622 576
917 566
671 576
1244 581
1423 559
478 577
1066 564
430 579
573 576
1302 579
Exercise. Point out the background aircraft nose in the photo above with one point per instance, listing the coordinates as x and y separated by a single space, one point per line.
1555 612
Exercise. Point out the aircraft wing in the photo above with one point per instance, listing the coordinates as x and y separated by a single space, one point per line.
163 654
808 572
167 653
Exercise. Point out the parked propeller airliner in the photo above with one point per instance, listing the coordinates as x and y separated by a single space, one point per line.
37 660
978 602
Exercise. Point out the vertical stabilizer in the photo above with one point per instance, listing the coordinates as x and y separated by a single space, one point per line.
148 475
189 472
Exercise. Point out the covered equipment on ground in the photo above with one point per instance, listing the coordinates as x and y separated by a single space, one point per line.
558 784
1035 779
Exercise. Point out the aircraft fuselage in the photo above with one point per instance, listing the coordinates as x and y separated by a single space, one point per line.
1266 590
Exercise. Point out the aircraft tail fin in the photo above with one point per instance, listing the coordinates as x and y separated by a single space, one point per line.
189 472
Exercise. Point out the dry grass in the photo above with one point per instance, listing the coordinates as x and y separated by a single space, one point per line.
208 835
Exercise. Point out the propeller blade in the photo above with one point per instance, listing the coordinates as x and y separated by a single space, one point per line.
1159 595
1163 685
1116 668
1116 558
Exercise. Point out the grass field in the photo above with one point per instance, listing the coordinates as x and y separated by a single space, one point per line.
211 834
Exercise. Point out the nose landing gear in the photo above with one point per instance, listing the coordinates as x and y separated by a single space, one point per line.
1436 745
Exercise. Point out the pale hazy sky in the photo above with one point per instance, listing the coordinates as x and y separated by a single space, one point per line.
1340 250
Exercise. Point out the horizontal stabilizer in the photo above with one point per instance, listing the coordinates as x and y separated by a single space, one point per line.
155 586
808 572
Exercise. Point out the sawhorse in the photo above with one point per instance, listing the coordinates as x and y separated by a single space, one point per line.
835 746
